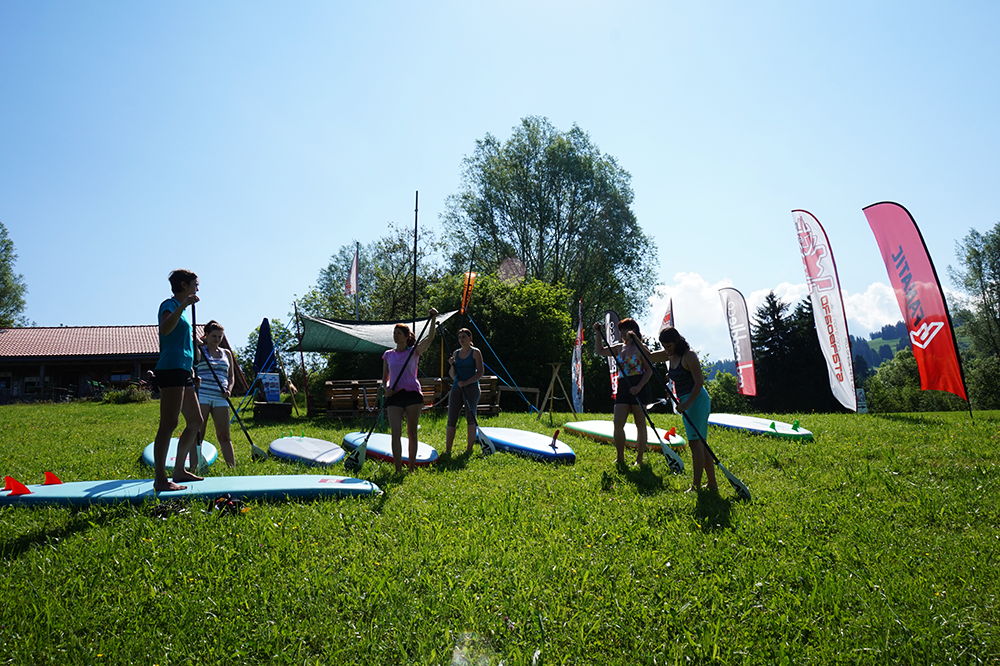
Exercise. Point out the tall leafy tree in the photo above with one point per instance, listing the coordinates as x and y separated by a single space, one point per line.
978 275
553 201
385 278
12 286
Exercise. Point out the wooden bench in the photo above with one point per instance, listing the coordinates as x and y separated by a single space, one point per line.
351 398
489 397
346 398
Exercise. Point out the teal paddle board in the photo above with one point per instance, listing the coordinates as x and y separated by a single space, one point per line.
604 431
530 444
135 491
380 448
307 450
208 450
759 426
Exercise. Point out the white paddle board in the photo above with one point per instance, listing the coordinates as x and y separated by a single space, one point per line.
604 431
530 444
380 448
134 491
208 450
307 450
760 426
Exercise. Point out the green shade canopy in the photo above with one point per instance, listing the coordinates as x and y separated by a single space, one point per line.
373 337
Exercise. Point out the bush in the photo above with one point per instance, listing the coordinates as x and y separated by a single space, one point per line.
130 393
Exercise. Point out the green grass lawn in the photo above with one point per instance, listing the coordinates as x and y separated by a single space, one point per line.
875 543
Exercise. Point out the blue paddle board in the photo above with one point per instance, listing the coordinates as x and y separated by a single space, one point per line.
208 450
530 444
604 431
760 426
307 450
380 448
135 491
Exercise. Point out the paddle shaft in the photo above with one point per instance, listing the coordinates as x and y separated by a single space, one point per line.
194 346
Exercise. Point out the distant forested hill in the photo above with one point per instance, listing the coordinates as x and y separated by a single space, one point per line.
880 346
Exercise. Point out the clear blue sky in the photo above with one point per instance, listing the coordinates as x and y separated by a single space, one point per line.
249 141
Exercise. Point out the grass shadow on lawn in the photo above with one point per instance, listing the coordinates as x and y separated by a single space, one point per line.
712 511
646 481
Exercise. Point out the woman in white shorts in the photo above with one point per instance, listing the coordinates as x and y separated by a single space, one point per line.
214 398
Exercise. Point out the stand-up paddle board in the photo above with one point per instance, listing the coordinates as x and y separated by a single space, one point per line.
530 445
208 450
307 450
135 491
760 426
604 431
380 448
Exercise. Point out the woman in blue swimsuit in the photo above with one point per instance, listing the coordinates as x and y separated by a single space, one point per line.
466 371
695 405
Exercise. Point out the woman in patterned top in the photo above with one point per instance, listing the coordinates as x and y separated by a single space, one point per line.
633 392
214 398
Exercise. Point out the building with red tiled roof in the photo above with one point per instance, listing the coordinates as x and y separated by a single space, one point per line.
39 362
49 363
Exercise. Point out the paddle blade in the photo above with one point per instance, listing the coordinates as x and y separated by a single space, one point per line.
741 490
674 461
489 448
356 460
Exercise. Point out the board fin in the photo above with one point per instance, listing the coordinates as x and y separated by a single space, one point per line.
51 479
795 425
555 437
15 487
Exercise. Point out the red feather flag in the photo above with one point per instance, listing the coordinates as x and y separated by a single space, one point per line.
920 297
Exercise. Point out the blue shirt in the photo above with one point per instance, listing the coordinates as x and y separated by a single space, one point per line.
177 347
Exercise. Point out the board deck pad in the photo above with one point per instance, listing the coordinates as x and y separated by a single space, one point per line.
604 431
307 450
380 448
208 450
135 491
759 426
530 444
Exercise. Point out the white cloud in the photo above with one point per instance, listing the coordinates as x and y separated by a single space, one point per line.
699 317
870 311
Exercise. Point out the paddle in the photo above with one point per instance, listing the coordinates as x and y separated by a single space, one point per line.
741 490
356 460
202 463
673 460
255 451
489 448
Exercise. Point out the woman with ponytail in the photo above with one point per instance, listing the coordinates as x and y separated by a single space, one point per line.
402 388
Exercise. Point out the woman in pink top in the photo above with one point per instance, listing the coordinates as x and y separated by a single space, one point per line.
402 388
